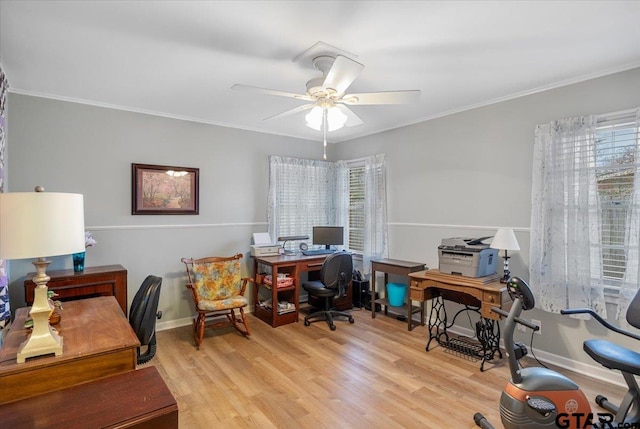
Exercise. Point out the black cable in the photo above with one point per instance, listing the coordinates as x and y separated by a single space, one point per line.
532 353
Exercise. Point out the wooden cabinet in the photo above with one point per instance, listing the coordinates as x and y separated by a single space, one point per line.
109 280
98 342
266 297
136 399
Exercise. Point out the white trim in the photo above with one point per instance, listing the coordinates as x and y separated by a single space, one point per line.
437 225
171 324
152 113
599 372
338 140
176 226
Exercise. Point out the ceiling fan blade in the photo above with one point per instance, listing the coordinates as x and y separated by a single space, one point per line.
290 112
352 118
342 74
255 89
388 97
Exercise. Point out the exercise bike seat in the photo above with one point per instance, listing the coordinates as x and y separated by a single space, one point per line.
613 356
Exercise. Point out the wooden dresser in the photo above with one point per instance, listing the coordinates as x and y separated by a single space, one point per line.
97 342
109 280
136 399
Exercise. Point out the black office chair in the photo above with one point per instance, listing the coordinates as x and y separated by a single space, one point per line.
335 277
143 315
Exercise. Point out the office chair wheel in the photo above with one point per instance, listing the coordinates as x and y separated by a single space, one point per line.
332 327
351 320
306 322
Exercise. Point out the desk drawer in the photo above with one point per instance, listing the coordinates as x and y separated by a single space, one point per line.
491 299
315 265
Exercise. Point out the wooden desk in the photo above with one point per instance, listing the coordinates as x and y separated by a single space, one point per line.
98 342
136 399
476 294
293 265
403 268
109 280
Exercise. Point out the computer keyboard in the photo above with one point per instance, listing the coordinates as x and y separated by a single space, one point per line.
318 252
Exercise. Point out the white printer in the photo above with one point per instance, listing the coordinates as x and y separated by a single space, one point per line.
468 257
264 246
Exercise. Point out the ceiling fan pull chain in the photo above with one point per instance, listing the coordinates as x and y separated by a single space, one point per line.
324 132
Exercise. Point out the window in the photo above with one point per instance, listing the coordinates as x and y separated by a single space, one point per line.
355 241
352 194
585 212
301 196
615 164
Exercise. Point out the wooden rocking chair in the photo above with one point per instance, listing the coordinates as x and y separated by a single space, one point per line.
217 290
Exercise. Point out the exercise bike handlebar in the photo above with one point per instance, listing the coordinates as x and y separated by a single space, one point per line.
524 322
601 320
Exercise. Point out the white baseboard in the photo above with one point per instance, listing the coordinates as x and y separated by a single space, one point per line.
163 326
599 373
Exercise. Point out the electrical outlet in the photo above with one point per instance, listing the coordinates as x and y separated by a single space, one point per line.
521 328
539 323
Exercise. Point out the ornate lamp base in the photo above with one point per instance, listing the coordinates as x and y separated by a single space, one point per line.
44 339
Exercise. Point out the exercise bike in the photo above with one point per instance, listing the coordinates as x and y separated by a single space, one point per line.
536 397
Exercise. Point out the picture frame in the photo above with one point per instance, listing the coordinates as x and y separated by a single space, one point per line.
163 189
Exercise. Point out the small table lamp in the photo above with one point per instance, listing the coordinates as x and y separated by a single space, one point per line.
39 225
505 240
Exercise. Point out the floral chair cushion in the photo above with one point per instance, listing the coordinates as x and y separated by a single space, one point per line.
214 281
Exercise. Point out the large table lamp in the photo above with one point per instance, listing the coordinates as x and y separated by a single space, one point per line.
40 225
505 240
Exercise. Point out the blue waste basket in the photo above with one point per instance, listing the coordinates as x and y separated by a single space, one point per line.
396 293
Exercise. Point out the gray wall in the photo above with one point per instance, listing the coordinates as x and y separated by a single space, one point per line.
70 147
469 173
462 175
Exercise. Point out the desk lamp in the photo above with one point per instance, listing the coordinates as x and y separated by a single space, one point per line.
291 238
505 240
39 225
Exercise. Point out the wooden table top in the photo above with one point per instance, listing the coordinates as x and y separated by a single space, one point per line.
88 327
483 283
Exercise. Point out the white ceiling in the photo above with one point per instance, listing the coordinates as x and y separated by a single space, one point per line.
180 58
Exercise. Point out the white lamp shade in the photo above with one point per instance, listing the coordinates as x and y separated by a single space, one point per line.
505 239
40 224
335 118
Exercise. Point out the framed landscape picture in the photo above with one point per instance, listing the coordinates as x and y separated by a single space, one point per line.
162 189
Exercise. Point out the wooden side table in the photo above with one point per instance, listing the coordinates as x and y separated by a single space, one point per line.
108 280
403 268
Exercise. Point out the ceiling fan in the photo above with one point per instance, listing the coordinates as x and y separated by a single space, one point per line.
327 98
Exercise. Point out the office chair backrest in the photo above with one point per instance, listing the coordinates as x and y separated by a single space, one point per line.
144 309
336 271
633 311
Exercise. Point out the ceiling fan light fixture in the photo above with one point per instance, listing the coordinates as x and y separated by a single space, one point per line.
335 118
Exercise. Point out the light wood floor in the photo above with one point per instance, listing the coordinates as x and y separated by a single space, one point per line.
372 374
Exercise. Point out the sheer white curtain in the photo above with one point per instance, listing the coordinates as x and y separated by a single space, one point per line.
631 279
301 195
565 249
375 211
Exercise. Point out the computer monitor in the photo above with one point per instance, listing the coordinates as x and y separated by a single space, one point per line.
328 236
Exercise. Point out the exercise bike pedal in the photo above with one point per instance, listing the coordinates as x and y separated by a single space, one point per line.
540 405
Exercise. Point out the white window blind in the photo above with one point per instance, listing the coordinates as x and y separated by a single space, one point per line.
615 165
301 196
356 207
